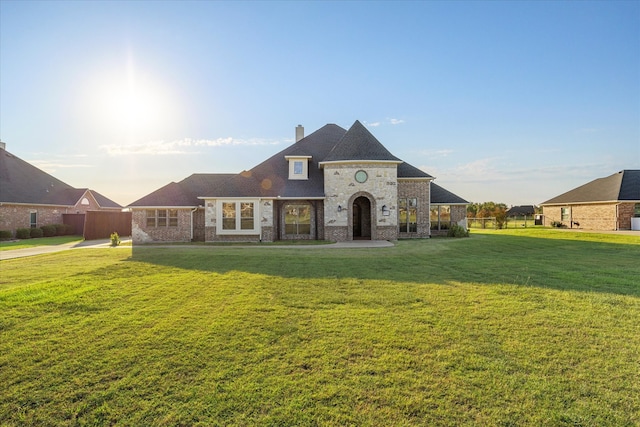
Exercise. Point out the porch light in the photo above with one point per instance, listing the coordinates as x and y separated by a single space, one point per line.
339 208
385 210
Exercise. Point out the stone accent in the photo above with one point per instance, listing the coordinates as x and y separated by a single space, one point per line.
337 233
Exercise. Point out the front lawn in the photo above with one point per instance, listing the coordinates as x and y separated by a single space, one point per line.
41 241
520 327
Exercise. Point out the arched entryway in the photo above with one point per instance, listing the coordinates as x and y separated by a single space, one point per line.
361 218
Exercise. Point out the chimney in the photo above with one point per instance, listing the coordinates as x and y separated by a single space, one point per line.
299 132
3 146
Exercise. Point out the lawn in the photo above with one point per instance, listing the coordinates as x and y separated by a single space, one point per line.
41 241
509 327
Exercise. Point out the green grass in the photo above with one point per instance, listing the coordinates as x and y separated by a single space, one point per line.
513 327
42 241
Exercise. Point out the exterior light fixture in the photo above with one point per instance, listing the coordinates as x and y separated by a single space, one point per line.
339 208
385 210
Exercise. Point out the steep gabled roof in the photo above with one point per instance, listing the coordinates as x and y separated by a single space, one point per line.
21 182
271 177
441 196
621 186
359 144
405 170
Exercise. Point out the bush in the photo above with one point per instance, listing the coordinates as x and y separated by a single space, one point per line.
36 233
49 230
69 230
60 229
457 231
557 224
23 233
5 235
115 239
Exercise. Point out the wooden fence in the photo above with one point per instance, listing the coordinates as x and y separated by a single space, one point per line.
100 224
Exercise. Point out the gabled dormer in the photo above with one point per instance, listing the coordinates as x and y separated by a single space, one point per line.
298 167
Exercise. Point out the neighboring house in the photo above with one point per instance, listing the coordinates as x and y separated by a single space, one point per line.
333 184
524 210
602 204
32 198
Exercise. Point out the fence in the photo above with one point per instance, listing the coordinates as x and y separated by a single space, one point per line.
482 222
100 224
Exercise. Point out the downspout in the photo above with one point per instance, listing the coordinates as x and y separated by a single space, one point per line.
194 209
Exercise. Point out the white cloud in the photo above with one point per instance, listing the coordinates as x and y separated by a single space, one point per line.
181 146
373 125
396 121
51 167
443 152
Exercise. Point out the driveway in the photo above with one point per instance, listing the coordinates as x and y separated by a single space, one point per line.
39 250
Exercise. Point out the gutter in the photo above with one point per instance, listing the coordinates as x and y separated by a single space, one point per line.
191 213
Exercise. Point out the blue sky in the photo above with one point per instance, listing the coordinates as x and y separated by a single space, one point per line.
512 102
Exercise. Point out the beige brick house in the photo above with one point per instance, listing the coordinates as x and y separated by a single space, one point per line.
30 197
608 203
333 184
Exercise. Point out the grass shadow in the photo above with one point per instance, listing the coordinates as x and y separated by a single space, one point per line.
585 266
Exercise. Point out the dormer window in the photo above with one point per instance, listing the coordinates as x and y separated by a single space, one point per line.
298 167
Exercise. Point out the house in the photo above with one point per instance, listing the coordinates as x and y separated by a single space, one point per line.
607 203
524 210
333 184
30 197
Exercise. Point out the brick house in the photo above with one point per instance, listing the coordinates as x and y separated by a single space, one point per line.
603 204
30 197
333 184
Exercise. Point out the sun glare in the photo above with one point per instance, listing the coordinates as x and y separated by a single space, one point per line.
129 105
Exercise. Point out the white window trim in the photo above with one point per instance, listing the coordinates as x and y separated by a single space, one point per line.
305 167
238 231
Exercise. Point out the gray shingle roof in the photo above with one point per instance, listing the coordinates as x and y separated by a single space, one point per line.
621 186
271 177
359 144
441 196
21 182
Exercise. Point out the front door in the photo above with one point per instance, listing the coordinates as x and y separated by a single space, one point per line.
361 218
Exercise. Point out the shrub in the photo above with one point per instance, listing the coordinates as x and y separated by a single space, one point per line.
557 224
23 233
60 229
36 233
69 229
49 230
5 235
115 239
457 231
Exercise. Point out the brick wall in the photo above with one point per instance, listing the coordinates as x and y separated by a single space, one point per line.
597 216
141 233
13 217
420 190
625 213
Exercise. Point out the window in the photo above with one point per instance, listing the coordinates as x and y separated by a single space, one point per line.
162 217
237 217
298 166
565 213
636 210
297 218
84 201
440 217
408 215
33 219
229 216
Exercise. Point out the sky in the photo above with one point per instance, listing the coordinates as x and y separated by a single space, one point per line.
511 102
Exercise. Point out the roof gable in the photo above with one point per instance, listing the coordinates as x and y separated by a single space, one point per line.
623 185
185 192
359 144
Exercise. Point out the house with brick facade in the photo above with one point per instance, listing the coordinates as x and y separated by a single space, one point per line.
608 203
334 184
30 197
